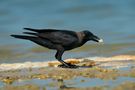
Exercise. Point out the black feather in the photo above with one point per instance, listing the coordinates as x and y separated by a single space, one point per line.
30 33
23 37
30 29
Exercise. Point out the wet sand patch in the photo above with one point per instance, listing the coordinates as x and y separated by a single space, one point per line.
91 68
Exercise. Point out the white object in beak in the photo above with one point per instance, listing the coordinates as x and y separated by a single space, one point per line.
101 40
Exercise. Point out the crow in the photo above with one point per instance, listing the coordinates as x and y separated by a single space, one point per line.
60 40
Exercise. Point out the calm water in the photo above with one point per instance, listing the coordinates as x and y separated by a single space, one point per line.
112 20
78 83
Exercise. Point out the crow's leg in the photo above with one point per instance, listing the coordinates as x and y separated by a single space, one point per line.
58 56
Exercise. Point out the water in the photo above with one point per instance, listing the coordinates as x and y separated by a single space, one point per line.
111 20
74 84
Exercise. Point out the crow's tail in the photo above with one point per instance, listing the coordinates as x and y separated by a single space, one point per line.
24 37
30 29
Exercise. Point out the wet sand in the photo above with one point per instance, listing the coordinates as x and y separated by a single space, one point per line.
112 62
103 68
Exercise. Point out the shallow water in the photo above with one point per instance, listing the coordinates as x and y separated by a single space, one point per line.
75 84
111 20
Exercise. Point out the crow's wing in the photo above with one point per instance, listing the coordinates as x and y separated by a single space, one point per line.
41 30
60 37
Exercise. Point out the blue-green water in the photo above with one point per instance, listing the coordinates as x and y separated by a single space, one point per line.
114 21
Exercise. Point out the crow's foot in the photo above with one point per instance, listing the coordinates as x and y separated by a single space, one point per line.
68 65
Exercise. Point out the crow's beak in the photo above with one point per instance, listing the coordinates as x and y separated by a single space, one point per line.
97 39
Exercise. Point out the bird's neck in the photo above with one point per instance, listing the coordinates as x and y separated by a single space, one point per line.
81 39
80 36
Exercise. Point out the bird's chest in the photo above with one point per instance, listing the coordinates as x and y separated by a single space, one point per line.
74 45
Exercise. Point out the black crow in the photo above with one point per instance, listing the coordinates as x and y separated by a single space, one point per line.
60 40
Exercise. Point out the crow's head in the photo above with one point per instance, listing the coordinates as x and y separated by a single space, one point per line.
91 36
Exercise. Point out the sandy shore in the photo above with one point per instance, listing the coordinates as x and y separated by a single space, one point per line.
98 67
114 62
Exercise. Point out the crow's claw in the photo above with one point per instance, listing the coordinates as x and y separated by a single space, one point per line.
68 66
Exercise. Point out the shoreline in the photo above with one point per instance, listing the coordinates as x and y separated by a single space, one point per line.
91 69
118 61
